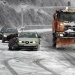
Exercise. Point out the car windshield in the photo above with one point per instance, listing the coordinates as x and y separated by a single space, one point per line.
28 35
11 31
67 16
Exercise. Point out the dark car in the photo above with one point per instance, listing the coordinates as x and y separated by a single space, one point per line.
7 34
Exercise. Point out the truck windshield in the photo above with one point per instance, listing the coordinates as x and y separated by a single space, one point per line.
67 16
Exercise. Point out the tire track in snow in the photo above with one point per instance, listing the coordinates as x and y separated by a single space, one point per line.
5 62
44 67
70 59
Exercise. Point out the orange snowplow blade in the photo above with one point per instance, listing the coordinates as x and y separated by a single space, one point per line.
63 42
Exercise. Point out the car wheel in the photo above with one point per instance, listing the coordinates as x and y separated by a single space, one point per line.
3 41
36 49
11 48
16 48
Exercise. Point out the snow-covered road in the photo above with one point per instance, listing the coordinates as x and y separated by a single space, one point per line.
45 61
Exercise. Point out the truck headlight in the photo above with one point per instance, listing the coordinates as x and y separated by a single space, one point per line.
61 35
5 35
62 25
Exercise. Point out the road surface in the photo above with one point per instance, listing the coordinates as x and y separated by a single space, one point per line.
46 61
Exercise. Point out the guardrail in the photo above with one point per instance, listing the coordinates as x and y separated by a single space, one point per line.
28 27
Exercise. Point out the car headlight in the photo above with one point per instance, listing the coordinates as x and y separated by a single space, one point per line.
5 35
20 41
34 41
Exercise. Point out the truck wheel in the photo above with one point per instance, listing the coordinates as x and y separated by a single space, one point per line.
54 40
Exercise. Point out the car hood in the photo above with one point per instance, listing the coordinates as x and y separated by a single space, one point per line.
8 33
28 39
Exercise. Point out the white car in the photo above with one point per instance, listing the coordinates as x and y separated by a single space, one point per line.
25 40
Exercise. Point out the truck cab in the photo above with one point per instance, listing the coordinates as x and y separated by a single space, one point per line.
63 28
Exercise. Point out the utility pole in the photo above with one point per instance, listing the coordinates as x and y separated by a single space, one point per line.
22 17
69 3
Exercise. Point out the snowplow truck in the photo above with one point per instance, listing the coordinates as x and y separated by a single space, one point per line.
63 28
